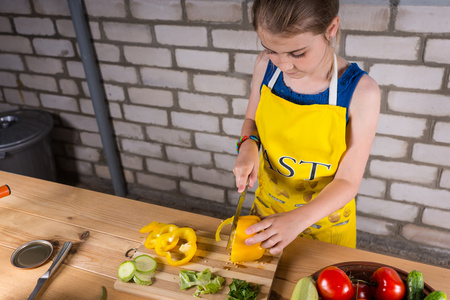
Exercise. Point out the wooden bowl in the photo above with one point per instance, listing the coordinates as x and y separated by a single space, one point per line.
363 270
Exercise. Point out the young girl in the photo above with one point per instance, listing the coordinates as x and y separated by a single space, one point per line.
315 116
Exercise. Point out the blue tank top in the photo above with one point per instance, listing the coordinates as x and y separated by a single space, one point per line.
346 86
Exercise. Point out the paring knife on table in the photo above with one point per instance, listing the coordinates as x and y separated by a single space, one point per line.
237 214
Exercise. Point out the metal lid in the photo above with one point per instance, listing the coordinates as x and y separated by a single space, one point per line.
20 128
32 254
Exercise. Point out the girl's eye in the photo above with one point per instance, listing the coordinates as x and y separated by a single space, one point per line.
270 52
297 55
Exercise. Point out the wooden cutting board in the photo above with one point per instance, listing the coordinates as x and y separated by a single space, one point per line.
210 254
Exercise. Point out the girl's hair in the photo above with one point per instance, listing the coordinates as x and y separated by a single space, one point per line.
292 17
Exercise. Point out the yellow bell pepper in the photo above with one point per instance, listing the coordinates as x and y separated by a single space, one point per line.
166 242
240 252
156 231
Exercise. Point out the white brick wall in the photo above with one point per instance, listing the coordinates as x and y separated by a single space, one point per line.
177 76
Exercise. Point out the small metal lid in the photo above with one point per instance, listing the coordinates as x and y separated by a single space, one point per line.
32 254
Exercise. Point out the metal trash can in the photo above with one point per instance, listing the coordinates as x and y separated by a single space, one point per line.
25 143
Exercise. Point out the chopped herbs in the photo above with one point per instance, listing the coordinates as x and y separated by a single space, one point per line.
242 290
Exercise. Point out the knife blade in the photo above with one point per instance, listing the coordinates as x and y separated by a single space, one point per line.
237 214
53 268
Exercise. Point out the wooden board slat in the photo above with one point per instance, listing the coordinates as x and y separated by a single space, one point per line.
210 254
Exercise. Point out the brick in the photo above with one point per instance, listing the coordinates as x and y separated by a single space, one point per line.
118 73
21 97
127 32
83 153
382 47
434 53
375 226
445 179
76 166
65 28
167 168
224 161
34 26
15 44
169 10
15 6
233 197
146 115
239 106
132 162
232 126
142 148
75 69
44 65
151 97
203 103
398 211
235 39
164 78
128 130
59 102
419 103
215 143
156 182
169 136
105 8
427 236
202 60
389 147
189 156
403 171
53 47
91 139
5 25
11 62
421 195
436 217
181 35
195 122
432 154
220 85
156 57
107 52
433 19
112 92
372 187
43 83
408 76
212 176
401 126
244 63
214 11
364 17
79 122
52 7
202 191
8 79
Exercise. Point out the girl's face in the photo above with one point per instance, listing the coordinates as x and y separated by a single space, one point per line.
297 56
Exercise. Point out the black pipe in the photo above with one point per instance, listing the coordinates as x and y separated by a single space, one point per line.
97 94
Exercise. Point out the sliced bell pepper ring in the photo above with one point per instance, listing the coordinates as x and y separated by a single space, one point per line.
165 243
149 227
240 252
157 231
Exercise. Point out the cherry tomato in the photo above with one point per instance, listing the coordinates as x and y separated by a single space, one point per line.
390 285
362 290
334 284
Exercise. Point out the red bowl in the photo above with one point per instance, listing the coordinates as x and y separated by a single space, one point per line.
363 270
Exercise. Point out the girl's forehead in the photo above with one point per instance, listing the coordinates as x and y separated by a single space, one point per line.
281 41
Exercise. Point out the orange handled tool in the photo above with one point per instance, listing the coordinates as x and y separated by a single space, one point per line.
4 191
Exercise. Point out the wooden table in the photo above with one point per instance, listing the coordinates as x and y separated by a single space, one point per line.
38 209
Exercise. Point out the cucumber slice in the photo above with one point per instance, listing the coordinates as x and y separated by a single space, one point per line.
143 278
145 263
126 271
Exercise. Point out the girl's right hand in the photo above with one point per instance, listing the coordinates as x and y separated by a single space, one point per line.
247 164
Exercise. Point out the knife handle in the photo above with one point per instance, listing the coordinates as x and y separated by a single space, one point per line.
4 191
59 258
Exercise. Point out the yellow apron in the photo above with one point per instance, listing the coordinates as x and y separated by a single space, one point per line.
302 146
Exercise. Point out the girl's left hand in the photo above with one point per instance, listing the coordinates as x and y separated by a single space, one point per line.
275 231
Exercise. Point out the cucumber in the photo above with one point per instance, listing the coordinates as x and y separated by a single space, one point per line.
414 285
145 263
436 295
126 271
305 289
143 278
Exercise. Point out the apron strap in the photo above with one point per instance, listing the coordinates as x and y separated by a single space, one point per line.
332 95
274 78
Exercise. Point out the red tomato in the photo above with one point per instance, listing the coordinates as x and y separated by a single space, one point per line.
390 285
334 284
362 290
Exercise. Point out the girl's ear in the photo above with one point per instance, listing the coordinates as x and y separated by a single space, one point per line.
333 28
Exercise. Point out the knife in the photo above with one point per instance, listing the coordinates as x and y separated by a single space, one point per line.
237 214
55 265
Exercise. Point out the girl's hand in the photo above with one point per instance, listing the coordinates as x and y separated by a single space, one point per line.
275 232
246 166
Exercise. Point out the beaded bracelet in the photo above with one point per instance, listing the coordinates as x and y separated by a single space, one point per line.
246 137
